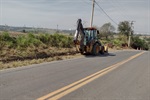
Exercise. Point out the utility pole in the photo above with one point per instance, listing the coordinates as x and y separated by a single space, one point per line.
57 28
93 4
129 41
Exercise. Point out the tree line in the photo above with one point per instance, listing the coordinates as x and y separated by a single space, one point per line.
124 30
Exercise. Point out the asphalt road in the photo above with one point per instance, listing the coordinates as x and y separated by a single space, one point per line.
129 81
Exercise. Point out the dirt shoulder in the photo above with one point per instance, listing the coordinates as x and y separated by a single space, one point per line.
20 63
13 59
48 55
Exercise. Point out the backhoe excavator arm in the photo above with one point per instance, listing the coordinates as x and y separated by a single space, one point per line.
80 31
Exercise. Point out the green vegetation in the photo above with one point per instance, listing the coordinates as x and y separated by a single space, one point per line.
119 40
138 43
36 40
30 46
115 43
124 28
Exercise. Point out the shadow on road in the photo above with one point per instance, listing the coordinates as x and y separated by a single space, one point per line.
100 55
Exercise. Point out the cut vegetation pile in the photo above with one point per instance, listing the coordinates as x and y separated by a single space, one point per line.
34 46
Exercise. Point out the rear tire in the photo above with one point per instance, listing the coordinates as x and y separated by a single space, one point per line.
96 49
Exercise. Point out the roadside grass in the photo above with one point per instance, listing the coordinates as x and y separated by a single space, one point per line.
25 49
30 40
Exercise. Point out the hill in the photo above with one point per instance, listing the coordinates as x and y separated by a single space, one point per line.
33 29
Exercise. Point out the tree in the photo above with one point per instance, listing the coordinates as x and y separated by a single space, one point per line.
124 28
107 30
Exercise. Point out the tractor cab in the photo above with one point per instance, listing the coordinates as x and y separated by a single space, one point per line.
90 35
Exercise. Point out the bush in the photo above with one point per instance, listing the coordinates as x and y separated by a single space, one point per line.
27 41
56 40
7 40
22 42
2 43
6 37
139 43
44 38
117 42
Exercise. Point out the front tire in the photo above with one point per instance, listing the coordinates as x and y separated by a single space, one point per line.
102 50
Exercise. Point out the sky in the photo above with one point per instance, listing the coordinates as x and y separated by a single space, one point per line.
64 13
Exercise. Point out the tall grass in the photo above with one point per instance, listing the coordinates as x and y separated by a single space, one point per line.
6 40
56 40
29 40
36 40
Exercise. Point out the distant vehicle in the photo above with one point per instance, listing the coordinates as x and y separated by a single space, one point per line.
86 40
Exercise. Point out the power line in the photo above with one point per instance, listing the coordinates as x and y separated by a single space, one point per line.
86 2
123 7
105 13
113 5
119 9
102 10
124 16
